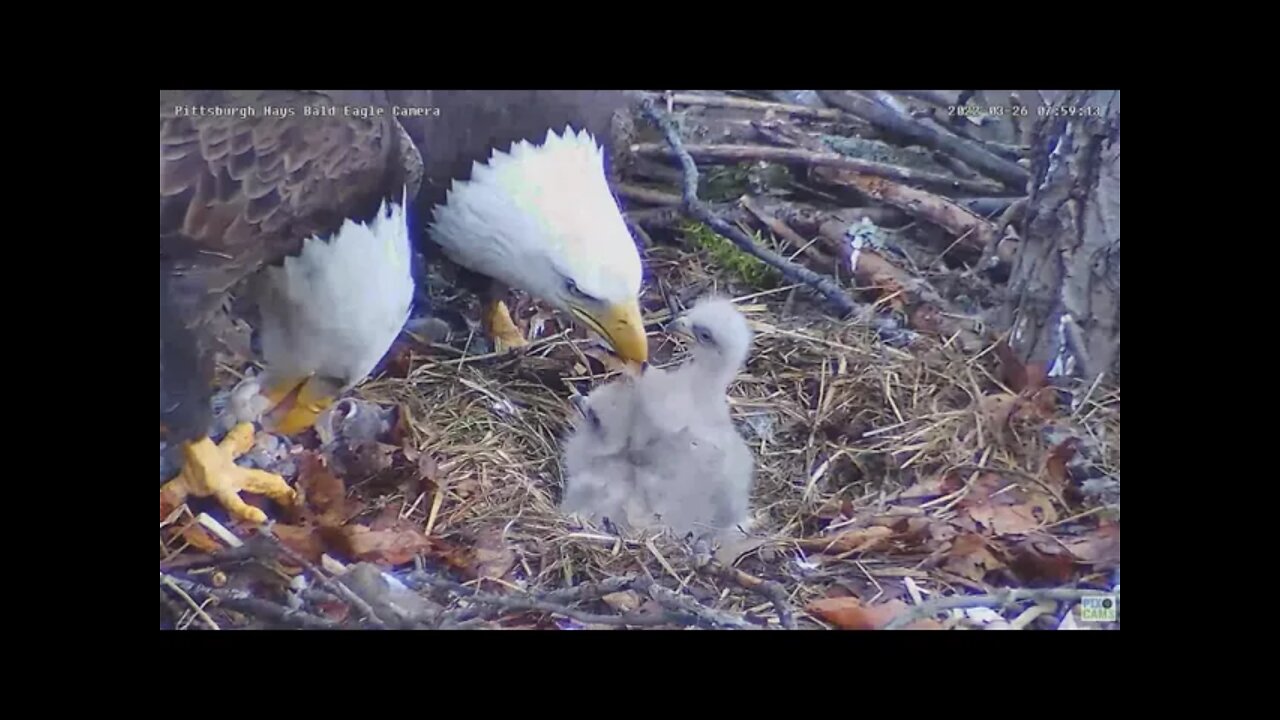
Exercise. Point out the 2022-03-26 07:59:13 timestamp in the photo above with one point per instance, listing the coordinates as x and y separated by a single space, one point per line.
976 111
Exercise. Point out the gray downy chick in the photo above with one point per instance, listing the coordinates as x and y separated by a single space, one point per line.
662 450
683 414
674 479
695 393
600 478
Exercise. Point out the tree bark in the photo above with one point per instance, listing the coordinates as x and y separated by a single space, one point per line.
1064 304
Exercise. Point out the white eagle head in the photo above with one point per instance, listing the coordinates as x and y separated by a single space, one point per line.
543 219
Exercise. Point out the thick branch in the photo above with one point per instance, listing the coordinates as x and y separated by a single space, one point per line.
761 105
973 231
888 119
647 195
798 156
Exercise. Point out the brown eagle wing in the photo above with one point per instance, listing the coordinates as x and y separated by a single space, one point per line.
243 188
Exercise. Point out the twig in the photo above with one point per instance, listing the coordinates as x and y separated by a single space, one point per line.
654 217
335 586
222 557
887 118
987 207
770 590
591 591
174 608
686 605
935 209
698 210
639 232
930 96
647 195
240 600
1000 598
764 106
530 603
200 613
740 153
782 230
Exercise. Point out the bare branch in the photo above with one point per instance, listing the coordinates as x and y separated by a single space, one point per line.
699 210
553 603
335 586
799 156
763 106
240 600
976 157
686 605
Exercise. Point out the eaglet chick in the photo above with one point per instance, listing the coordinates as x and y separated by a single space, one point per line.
662 450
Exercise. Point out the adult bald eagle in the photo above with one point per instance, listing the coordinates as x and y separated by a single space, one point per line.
521 199
310 212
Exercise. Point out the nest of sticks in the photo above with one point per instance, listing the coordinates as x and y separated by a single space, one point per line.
902 480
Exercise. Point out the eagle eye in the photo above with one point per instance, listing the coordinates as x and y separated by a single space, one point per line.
572 288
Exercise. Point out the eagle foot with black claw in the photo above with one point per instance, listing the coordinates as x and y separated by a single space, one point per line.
209 470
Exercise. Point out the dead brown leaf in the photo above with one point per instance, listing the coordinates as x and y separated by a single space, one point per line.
387 518
934 487
983 487
334 610
372 458
1036 407
169 501
1098 547
996 410
195 535
428 472
624 602
1056 462
970 558
304 540
1016 375
493 559
1042 558
1016 512
1002 507
389 547
399 360
849 541
401 431
942 532
834 508
850 613
322 494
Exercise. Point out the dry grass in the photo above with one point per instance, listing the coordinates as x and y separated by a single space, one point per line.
840 425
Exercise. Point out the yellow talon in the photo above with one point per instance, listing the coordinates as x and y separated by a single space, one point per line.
210 471
500 326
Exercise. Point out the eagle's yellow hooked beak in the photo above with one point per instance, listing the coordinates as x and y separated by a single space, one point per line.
623 328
